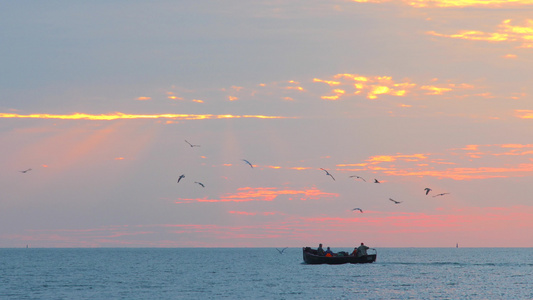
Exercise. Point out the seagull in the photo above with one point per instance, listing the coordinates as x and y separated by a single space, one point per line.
191 144
200 184
25 171
442 194
376 181
248 163
357 208
181 177
427 190
358 177
395 202
281 251
327 173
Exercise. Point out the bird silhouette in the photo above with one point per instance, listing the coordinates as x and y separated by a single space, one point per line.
357 208
191 144
355 176
281 251
181 177
327 173
427 190
252 166
376 181
441 194
201 184
395 202
25 171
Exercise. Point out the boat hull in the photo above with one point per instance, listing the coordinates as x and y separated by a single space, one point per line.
314 259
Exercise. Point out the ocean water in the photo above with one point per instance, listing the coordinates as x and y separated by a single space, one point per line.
263 273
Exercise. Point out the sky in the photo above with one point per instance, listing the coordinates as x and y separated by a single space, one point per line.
104 104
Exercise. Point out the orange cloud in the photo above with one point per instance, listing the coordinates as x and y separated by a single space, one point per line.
524 113
338 93
375 86
175 98
264 194
389 158
455 3
505 33
298 88
433 90
329 82
436 165
143 98
346 85
118 115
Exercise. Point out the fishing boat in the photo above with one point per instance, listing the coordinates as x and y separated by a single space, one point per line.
311 257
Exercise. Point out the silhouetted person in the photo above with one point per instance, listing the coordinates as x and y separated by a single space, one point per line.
361 250
320 250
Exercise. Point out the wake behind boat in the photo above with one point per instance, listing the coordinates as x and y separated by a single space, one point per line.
311 257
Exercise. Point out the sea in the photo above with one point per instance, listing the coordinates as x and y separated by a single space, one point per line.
263 273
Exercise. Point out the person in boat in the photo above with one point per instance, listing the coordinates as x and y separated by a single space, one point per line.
329 252
361 250
320 250
354 252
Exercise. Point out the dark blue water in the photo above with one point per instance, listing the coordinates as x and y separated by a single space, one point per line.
263 273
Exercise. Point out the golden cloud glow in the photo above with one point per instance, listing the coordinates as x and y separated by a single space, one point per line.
143 98
298 88
455 3
433 90
506 33
264 194
118 115
388 158
524 113
329 82
438 165
346 85
373 86
338 93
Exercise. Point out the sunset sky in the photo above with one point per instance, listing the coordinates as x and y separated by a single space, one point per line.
99 98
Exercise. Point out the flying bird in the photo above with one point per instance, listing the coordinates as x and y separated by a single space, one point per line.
281 251
248 163
441 194
191 144
376 181
25 171
355 176
357 208
427 190
201 184
181 177
327 173
395 202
